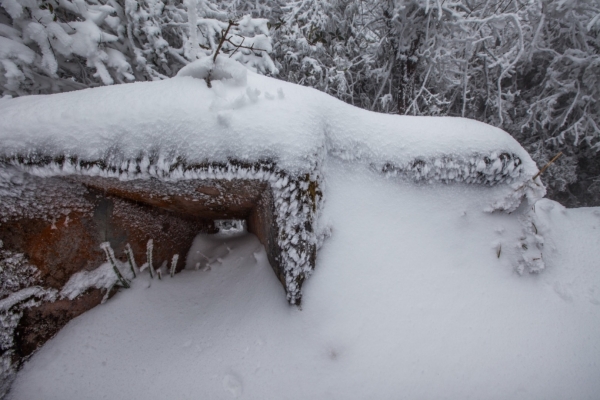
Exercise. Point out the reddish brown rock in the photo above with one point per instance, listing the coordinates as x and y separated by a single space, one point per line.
57 248
58 224
41 323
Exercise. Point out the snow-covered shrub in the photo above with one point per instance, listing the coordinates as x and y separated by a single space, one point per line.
55 46
317 44
51 46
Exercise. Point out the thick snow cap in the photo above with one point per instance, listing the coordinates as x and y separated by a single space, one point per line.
251 118
222 69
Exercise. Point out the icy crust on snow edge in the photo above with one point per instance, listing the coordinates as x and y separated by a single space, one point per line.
297 200
246 117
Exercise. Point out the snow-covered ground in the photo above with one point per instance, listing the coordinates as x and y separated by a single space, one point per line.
414 296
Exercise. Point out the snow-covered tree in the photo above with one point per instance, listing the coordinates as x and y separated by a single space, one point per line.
56 45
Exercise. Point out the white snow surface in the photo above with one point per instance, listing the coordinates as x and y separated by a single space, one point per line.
243 116
410 299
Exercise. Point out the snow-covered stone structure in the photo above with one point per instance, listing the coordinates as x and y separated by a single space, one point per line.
162 160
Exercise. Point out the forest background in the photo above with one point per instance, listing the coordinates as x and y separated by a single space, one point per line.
531 67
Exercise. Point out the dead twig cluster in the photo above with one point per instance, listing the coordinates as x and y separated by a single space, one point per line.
227 39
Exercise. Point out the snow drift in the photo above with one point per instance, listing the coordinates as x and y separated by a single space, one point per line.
249 117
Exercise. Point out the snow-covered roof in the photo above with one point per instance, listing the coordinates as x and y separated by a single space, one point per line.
247 117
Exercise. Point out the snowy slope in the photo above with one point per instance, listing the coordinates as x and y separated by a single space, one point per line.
409 300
